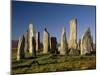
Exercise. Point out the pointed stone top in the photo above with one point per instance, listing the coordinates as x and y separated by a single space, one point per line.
45 29
88 31
30 25
74 19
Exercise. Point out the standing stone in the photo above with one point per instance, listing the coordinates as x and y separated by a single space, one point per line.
63 47
31 35
46 41
86 43
92 49
73 34
19 48
26 42
53 45
37 41
79 45
20 52
34 47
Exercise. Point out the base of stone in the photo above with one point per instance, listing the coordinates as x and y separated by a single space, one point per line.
74 52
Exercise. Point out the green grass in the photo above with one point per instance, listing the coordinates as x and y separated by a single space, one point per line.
52 63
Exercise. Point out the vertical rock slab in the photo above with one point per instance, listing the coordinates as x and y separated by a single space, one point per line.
86 43
20 52
46 42
63 47
34 47
53 45
31 35
19 48
73 34
37 41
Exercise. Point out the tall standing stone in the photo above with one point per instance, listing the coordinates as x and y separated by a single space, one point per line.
73 34
86 43
46 44
20 52
63 47
37 41
34 47
31 39
53 45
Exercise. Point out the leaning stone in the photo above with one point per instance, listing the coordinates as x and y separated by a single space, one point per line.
20 52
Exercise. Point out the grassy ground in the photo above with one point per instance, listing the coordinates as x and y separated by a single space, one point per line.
52 63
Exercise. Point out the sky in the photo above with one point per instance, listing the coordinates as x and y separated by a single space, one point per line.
53 17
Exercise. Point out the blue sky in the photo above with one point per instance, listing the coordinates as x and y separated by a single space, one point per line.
53 17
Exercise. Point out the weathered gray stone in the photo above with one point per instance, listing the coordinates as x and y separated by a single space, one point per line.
31 35
86 42
73 34
63 47
46 41
37 41
20 52
53 45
